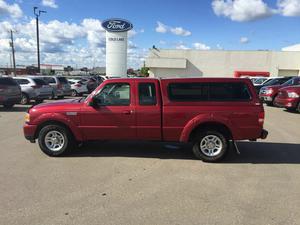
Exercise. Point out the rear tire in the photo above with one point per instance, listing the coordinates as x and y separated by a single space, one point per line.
25 99
55 140
298 108
39 101
210 146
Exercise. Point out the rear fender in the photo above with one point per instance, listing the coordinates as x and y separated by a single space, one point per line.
202 119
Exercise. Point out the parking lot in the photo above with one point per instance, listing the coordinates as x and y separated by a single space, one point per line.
149 183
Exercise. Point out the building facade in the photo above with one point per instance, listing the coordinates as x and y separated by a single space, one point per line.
220 63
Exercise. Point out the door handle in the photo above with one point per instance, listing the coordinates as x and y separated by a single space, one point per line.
127 112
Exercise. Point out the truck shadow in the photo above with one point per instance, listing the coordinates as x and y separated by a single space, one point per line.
251 152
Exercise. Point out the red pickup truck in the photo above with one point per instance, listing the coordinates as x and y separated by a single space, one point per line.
211 113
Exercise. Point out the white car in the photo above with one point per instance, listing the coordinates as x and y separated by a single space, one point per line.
77 87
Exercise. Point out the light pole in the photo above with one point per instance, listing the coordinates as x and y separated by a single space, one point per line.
37 14
13 50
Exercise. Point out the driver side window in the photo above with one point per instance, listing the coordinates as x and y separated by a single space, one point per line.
114 94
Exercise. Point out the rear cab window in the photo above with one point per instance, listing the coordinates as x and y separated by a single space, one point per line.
147 94
209 91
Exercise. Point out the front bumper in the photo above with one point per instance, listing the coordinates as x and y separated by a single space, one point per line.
266 98
286 102
29 132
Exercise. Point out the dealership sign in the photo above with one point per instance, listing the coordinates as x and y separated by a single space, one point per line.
116 25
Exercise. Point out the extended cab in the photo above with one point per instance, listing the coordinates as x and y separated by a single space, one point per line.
208 112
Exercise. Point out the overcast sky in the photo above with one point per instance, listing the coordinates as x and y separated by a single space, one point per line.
71 32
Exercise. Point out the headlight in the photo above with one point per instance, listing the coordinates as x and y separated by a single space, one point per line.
27 118
293 95
269 91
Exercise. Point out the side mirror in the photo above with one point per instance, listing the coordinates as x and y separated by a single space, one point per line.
95 102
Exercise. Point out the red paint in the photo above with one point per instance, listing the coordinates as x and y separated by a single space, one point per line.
165 121
251 73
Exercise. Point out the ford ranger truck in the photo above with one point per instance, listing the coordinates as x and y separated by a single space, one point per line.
210 113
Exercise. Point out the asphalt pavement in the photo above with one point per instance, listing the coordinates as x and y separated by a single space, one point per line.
149 183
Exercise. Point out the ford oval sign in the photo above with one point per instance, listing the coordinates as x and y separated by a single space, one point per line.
116 25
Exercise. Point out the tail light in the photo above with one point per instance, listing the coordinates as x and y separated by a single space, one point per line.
59 86
261 118
36 86
77 85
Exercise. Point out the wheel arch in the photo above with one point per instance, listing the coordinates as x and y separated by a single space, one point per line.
211 125
53 122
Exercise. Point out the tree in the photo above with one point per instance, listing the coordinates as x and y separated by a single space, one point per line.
145 71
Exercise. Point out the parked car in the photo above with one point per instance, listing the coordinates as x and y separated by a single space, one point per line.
268 93
33 89
61 86
92 83
272 81
211 113
289 98
77 87
10 92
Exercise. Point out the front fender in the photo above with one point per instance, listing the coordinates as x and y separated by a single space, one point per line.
62 118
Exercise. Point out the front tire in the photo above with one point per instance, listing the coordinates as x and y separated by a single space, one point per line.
55 140
210 146
298 108
74 93
24 99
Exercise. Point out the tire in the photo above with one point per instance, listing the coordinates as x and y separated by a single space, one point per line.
269 103
298 108
74 93
8 105
60 97
52 96
62 143
24 99
210 152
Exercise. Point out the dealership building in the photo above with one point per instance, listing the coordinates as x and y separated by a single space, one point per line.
222 63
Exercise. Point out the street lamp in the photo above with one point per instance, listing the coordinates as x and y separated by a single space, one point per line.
37 14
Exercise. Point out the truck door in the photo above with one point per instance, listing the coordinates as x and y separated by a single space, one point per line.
114 118
148 110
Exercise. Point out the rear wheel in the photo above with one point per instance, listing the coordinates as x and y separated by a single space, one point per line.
298 107
24 99
210 146
55 140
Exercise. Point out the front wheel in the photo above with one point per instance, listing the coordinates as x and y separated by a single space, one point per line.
74 93
55 140
210 146
24 99
298 107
